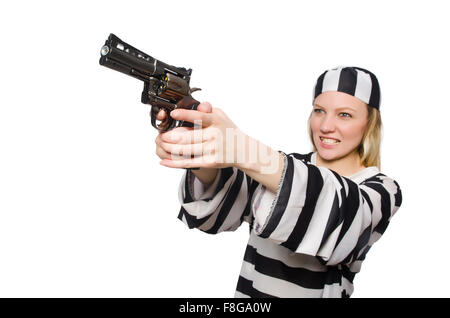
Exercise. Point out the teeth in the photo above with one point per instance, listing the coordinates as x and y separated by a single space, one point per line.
329 141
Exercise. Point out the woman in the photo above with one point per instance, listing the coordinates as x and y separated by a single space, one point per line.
313 217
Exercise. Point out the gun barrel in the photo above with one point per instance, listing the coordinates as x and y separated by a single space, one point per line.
122 57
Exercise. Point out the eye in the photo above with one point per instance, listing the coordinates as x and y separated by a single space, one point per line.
347 114
315 110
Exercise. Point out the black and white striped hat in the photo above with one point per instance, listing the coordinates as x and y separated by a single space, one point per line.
355 81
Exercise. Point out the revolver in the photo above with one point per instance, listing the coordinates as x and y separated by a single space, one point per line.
165 86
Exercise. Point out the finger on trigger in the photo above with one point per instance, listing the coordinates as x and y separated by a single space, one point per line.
192 116
205 107
161 114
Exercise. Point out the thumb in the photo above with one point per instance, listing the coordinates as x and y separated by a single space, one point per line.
204 107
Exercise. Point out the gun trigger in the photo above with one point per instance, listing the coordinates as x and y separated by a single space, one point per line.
194 89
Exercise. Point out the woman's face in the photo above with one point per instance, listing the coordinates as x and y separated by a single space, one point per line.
341 118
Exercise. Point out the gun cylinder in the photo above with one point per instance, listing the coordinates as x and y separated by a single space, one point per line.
177 84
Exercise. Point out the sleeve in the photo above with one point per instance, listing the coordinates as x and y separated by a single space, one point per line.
317 212
222 206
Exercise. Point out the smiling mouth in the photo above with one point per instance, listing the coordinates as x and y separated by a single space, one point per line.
329 141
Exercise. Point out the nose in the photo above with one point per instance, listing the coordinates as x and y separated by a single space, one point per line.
328 124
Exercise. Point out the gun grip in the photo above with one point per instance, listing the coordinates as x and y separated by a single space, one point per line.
189 124
169 123
188 103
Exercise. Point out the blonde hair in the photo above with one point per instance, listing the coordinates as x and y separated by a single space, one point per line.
369 148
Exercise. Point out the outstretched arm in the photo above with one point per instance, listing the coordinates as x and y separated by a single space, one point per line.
218 143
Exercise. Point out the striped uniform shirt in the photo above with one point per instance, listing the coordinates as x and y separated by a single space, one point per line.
306 240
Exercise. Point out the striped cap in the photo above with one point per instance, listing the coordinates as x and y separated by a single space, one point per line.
352 80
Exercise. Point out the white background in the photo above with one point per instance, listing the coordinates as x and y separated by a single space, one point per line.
87 211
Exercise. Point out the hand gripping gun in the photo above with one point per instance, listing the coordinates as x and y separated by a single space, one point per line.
165 86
